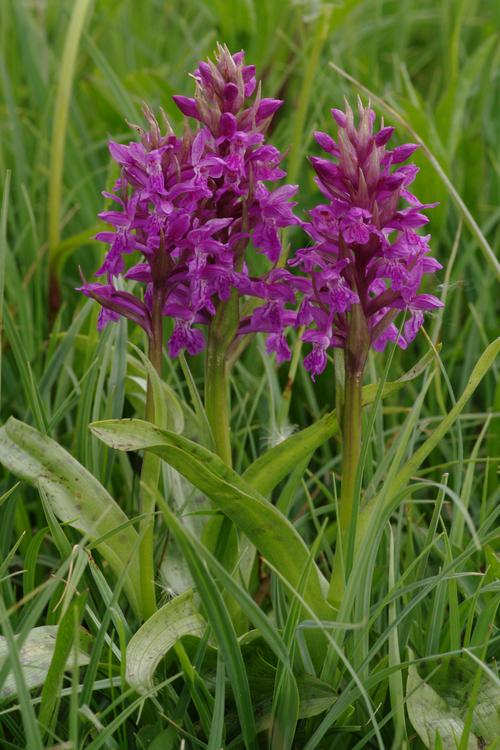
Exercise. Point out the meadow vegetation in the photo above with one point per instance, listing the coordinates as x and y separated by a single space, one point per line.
237 643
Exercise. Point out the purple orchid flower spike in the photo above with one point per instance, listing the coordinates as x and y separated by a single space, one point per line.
367 260
191 206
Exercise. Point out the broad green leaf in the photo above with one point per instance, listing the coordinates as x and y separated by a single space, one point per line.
75 496
439 706
158 635
36 655
274 465
264 525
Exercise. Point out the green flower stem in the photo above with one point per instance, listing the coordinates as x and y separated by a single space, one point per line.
221 535
351 451
221 333
357 347
217 404
150 473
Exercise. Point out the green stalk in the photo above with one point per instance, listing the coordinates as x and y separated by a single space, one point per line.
222 330
217 404
351 450
150 472
357 346
221 333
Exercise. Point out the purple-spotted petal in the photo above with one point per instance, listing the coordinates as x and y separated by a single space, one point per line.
186 337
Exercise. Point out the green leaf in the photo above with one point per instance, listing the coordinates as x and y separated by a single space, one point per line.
264 525
274 465
13 663
438 706
36 655
27 379
219 620
285 706
156 411
216 738
136 392
157 636
52 369
315 697
75 496
3 254
259 619
64 647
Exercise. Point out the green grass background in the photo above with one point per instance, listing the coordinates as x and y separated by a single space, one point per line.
71 76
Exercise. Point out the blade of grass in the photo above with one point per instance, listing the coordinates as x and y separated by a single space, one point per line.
216 737
3 253
67 67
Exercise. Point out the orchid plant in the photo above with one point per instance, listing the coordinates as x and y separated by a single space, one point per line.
199 227
195 207
365 266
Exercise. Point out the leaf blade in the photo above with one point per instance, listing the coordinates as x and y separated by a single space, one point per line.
160 632
263 524
75 495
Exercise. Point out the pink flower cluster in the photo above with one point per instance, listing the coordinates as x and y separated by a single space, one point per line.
365 248
193 207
